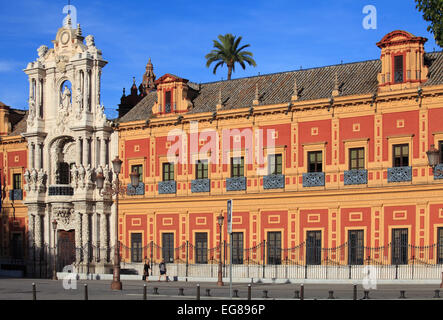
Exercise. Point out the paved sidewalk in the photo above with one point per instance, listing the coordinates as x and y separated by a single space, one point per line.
21 289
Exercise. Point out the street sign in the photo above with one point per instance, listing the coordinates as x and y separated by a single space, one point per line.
230 216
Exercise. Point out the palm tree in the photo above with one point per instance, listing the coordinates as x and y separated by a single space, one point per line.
228 52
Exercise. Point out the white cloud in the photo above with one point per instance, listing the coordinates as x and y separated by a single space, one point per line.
8 66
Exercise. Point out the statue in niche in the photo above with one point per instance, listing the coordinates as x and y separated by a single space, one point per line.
82 173
27 177
31 109
34 178
89 174
66 98
41 179
42 50
79 100
106 173
90 42
74 175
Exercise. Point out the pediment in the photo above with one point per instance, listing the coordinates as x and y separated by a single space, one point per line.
167 78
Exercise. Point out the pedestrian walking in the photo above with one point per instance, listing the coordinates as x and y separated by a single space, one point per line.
162 267
146 268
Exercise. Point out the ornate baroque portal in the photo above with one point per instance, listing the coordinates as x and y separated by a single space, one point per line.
68 143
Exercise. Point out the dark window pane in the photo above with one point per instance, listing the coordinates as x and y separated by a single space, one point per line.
357 157
168 247
398 69
168 171
355 247
201 247
274 248
136 247
401 155
237 167
139 169
275 164
17 181
399 246
237 247
315 161
440 246
440 148
313 247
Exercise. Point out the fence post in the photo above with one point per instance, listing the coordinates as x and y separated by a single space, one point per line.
144 291
302 291
152 255
86 291
396 271
249 291
34 292
355 292
187 261
224 258
198 291
264 257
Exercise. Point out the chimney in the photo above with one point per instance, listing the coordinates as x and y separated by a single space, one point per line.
5 125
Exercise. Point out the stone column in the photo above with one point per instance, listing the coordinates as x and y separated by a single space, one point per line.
78 146
103 152
86 239
31 221
85 152
78 238
31 148
103 237
38 157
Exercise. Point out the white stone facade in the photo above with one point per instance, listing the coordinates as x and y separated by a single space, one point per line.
69 142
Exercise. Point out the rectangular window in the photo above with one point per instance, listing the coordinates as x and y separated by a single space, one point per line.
274 247
315 161
17 181
275 162
168 247
237 167
398 69
139 169
201 169
201 247
440 245
356 159
401 155
136 247
399 246
17 251
168 101
313 247
440 148
168 171
237 247
355 247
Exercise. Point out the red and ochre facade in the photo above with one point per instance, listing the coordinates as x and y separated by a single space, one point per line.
407 110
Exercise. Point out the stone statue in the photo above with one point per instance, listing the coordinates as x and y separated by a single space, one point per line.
74 175
79 99
82 173
27 177
34 179
89 174
42 50
90 42
106 173
41 180
31 109
66 98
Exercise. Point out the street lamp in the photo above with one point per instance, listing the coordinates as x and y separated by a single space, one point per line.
116 189
54 272
433 157
220 276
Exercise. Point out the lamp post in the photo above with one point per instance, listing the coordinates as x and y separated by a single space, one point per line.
220 276
433 157
54 271
116 189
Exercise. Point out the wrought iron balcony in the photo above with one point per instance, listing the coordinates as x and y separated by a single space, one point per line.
274 181
438 171
356 177
16 194
314 179
399 174
200 185
167 107
236 184
167 187
61 190
139 190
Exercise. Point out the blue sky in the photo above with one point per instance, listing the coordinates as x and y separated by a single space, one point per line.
284 35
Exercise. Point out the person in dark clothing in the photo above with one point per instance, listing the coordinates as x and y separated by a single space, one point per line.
146 268
162 267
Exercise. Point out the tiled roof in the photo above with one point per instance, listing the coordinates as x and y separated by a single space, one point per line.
315 83
18 121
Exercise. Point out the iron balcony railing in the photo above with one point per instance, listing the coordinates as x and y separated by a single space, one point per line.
399 174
